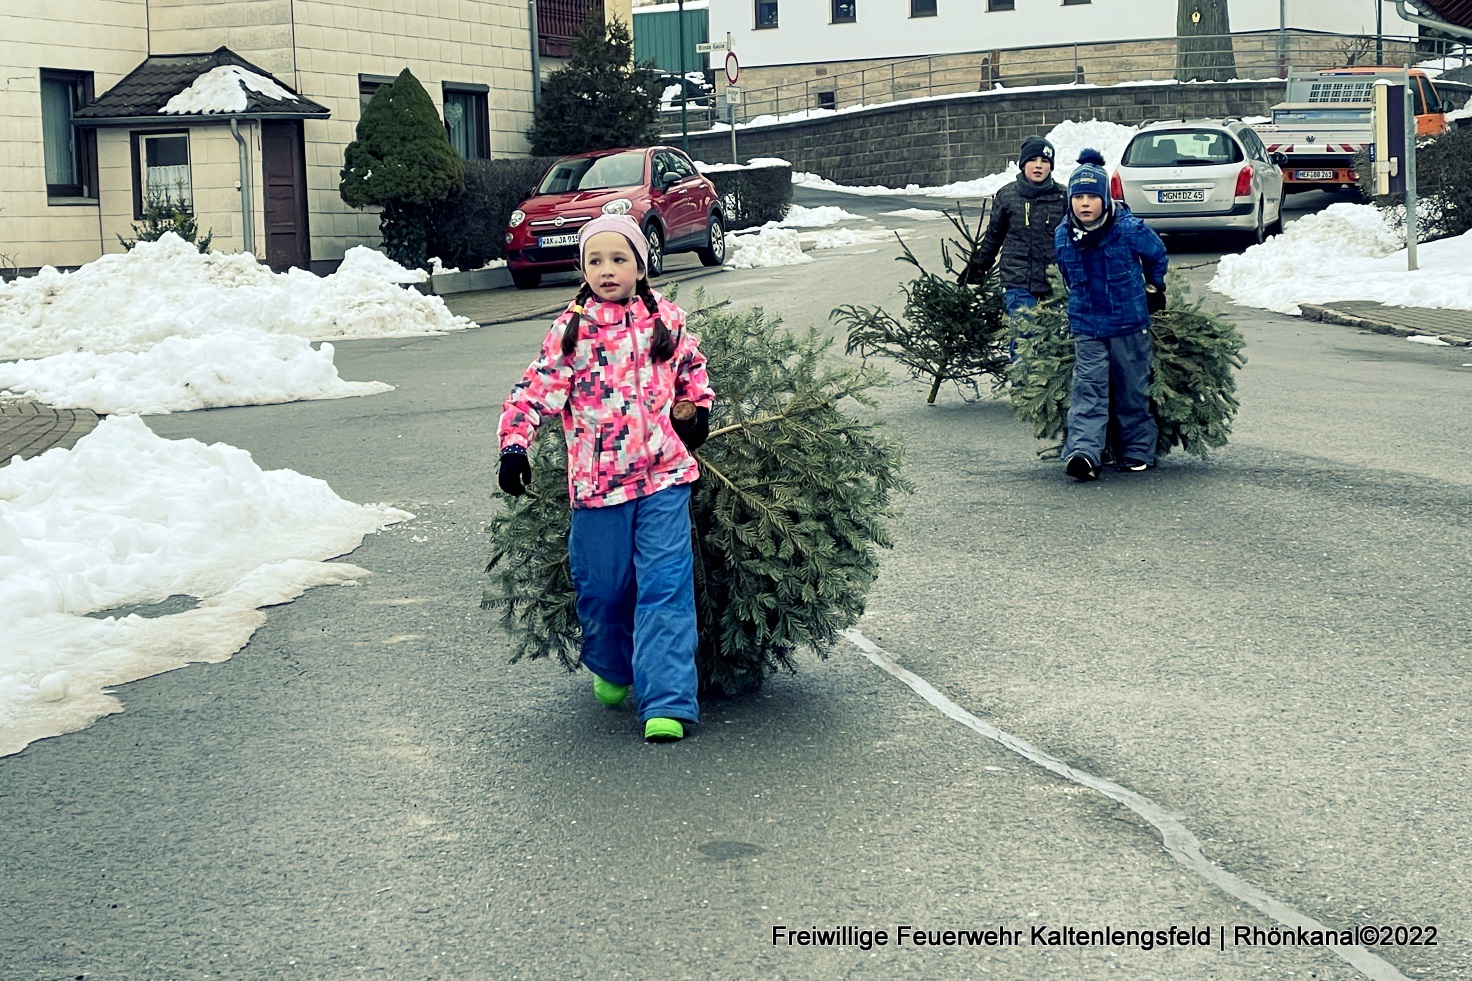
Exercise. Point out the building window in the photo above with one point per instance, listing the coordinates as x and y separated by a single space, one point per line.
1072 3
1000 5
827 100
467 120
70 150
161 170
843 11
766 13
922 8
368 86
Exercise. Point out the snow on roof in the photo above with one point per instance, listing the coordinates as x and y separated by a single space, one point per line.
222 89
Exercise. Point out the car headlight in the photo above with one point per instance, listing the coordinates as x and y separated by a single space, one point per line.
618 206
517 217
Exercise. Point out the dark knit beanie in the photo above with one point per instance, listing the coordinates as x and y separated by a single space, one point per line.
1035 146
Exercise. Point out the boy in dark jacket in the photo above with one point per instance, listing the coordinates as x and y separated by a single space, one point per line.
1025 214
1115 268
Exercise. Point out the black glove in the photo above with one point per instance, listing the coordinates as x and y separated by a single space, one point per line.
516 472
1154 298
693 431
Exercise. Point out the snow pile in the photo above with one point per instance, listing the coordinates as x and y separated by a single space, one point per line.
222 89
766 247
800 217
183 373
1346 252
916 214
203 329
842 238
127 518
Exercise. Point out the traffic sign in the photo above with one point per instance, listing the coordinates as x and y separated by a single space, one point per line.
705 46
733 68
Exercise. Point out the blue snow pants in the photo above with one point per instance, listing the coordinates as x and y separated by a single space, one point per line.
1105 366
634 574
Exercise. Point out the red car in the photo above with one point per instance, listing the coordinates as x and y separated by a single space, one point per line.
678 209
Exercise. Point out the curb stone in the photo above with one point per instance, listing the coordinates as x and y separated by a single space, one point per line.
1329 315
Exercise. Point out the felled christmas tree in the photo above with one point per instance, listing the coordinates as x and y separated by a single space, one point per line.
788 514
949 332
1192 378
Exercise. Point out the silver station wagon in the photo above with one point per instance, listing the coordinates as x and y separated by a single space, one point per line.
1202 175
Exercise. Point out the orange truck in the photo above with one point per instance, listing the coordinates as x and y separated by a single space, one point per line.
1326 120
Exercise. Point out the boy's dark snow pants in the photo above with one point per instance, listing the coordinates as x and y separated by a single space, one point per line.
1119 366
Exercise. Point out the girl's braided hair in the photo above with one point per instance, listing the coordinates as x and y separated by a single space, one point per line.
661 349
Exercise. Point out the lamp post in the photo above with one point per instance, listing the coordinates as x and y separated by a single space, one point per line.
684 102
1379 33
1283 38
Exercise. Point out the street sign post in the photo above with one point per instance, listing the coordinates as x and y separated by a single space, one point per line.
705 47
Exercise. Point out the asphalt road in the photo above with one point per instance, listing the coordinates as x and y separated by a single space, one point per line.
1269 646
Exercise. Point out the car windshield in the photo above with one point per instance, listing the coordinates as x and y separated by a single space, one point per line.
593 173
1182 148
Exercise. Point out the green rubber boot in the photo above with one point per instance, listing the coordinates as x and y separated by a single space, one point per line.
608 693
663 730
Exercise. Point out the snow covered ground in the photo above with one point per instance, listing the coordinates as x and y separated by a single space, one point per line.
126 518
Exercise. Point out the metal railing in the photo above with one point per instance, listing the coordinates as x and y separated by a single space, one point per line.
1212 58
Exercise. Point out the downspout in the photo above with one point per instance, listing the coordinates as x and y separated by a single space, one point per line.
248 227
531 8
1432 22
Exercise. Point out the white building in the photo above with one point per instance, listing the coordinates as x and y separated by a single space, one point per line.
86 128
782 41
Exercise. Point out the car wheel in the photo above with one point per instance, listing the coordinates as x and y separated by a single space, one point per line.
1259 233
1276 228
715 253
525 279
656 250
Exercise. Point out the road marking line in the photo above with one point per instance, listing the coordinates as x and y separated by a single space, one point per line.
1179 843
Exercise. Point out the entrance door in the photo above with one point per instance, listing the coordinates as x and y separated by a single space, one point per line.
283 161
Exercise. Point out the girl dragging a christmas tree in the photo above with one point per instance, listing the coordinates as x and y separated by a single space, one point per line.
630 384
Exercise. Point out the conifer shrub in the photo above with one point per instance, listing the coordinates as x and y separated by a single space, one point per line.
468 229
402 161
166 213
600 100
753 195
949 332
788 516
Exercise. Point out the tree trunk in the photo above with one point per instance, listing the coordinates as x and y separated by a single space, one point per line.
1204 42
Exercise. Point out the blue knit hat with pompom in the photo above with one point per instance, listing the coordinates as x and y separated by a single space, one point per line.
1089 176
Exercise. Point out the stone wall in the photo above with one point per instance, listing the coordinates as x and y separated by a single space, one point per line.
962 137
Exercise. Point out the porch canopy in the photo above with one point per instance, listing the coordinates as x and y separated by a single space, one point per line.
220 85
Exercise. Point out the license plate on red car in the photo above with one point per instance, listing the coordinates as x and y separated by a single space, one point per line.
553 241
1171 197
1316 175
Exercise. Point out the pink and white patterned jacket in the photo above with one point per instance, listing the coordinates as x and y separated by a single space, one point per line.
615 401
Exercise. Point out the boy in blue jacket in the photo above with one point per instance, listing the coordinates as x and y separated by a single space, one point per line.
1114 268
